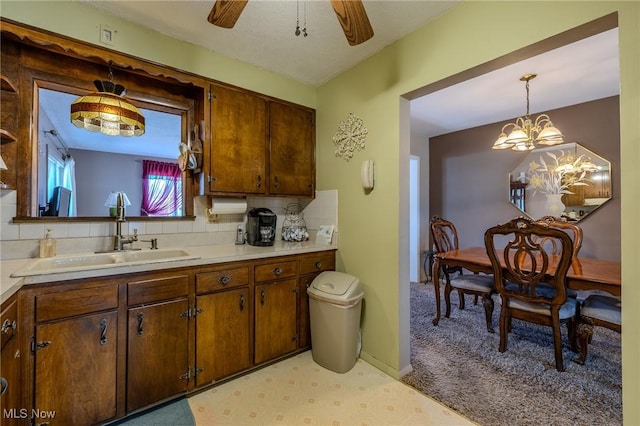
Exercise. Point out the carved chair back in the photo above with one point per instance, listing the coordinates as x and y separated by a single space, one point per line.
524 263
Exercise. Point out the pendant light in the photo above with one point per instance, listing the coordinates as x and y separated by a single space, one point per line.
525 133
107 111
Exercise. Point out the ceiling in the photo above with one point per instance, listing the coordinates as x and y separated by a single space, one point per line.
264 36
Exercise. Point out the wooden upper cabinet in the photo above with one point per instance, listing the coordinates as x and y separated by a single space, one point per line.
237 154
291 150
259 146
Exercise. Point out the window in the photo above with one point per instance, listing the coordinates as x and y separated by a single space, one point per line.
161 189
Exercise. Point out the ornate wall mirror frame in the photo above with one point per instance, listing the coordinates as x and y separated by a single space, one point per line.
565 180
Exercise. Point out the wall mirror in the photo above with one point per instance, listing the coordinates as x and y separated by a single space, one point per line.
567 181
92 165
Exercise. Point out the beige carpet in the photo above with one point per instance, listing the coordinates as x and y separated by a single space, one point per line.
297 391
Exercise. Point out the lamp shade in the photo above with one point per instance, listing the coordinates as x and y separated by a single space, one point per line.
112 199
107 111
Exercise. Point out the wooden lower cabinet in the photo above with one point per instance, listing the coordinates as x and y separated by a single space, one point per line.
10 363
103 348
157 340
222 335
75 370
275 319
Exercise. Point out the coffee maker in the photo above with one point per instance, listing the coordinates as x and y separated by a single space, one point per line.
261 227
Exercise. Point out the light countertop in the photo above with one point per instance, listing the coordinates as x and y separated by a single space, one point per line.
207 255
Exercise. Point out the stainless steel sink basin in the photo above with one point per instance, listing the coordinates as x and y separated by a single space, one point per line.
91 261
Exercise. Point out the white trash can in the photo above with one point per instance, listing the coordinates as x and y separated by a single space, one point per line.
335 303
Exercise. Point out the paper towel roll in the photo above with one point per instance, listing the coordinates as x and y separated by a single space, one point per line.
228 206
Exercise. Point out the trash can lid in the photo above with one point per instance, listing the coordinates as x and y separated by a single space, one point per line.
336 286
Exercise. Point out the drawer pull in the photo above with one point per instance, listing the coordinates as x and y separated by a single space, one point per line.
224 280
318 265
103 333
241 302
277 271
262 297
140 317
259 184
8 326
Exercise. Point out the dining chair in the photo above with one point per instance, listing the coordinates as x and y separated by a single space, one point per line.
575 232
597 310
445 238
521 266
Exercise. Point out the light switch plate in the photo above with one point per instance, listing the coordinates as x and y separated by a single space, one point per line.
107 34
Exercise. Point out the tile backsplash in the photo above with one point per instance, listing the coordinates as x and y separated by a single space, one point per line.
21 240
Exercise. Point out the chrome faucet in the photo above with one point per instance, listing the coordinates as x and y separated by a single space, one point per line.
118 240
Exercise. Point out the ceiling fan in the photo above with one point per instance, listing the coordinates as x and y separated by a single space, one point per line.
351 15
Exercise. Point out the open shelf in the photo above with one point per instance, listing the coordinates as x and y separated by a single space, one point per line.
6 84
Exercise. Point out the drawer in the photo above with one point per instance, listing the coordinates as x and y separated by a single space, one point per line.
157 289
275 271
76 302
9 321
206 282
318 263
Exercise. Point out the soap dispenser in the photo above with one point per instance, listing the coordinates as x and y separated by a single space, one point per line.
48 245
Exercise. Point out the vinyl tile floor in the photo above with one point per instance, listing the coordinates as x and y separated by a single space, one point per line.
297 391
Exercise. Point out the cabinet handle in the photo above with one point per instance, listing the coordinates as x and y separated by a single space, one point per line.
224 280
318 265
8 326
140 319
259 184
275 182
262 297
277 271
103 333
241 302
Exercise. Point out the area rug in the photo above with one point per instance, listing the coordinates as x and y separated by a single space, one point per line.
458 364
175 413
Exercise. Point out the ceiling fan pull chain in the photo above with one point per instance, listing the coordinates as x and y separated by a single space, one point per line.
297 18
304 27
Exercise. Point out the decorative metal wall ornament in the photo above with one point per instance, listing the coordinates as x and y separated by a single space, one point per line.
350 137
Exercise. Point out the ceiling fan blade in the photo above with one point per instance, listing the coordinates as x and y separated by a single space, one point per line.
354 20
225 13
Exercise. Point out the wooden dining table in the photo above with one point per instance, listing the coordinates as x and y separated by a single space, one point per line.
584 274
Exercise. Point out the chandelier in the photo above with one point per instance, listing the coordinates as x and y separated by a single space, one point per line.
107 111
525 134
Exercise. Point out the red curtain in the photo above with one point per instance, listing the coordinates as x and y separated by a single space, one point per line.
161 189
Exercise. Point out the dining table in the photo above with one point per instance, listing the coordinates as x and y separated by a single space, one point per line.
584 274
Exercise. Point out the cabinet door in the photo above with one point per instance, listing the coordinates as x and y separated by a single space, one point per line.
275 320
10 371
238 142
291 150
157 352
222 335
75 370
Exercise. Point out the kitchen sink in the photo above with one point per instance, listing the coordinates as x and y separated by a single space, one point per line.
91 261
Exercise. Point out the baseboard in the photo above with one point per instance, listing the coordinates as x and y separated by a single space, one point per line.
396 374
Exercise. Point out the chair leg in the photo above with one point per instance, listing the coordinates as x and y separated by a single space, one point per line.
460 299
571 330
504 324
584 335
475 299
557 343
487 302
447 300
